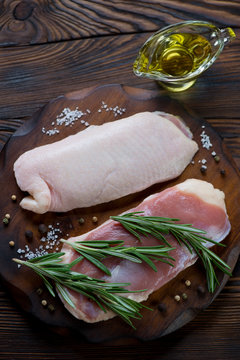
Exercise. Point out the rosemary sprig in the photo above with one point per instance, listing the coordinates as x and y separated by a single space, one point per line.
96 251
186 234
105 295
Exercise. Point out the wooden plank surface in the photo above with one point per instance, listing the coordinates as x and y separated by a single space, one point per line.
37 21
68 45
73 65
213 334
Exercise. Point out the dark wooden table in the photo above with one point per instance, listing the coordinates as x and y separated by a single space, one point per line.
52 47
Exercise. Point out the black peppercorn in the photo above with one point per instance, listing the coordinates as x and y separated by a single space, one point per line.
162 307
29 234
203 169
201 290
39 291
42 228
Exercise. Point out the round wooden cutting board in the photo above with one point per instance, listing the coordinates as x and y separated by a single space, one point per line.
95 106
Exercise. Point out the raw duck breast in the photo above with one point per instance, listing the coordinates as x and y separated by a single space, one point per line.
103 163
194 202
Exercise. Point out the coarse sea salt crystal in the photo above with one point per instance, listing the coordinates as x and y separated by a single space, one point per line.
68 117
205 140
116 110
52 132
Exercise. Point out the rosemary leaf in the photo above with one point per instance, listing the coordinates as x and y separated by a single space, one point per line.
105 295
194 239
106 248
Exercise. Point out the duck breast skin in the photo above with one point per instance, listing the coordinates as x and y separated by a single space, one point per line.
103 163
194 202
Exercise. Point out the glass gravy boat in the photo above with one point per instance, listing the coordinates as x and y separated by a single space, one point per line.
176 55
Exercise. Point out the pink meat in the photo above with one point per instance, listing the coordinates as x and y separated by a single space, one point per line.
176 120
104 163
194 202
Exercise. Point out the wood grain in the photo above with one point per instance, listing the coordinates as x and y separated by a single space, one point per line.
214 334
69 66
23 338
230 132
37 22
7 128
23 283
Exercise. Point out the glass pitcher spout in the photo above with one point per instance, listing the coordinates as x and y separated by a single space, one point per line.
227 35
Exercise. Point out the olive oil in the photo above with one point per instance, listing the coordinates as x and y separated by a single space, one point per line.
176 55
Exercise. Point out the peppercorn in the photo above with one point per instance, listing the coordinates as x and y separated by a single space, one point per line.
42 228
184 296
11 243
51 308
222 172
188 283
44 303
7 216
13 197
201 290
162 307
81 221
217 158
5 221
203 169
177 298
94 219
39 291
29 234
